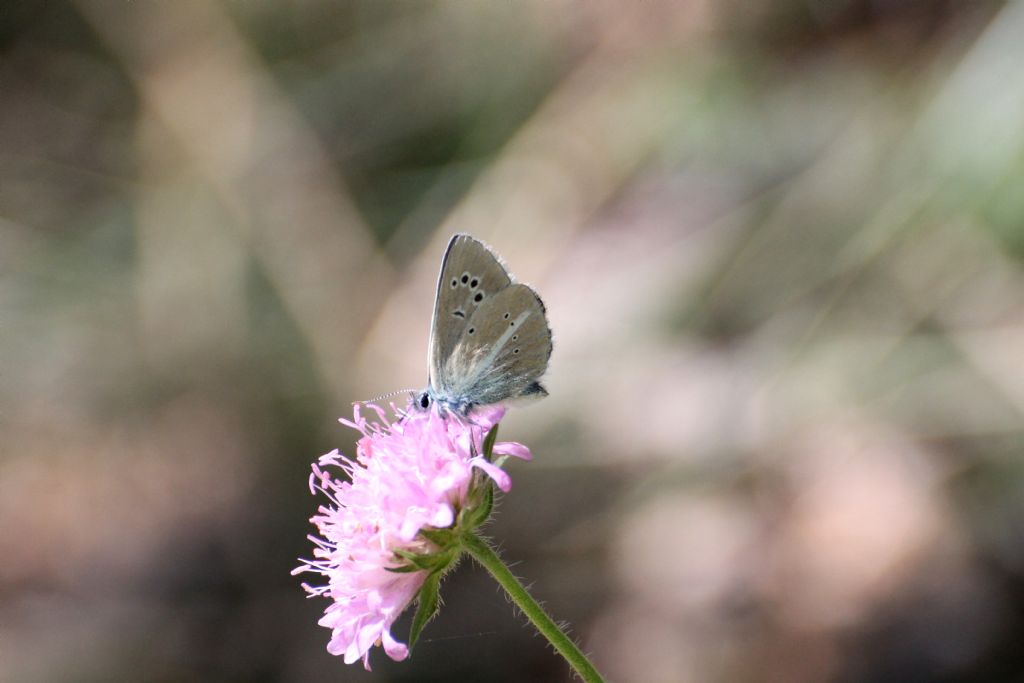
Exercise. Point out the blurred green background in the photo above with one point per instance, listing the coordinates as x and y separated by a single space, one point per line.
781 246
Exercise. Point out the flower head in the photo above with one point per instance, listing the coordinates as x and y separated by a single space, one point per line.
412 474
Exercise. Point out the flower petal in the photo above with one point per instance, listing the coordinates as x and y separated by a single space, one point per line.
516 450
499 475
488 416
396 650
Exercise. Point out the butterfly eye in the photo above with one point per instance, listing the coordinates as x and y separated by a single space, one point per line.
425 401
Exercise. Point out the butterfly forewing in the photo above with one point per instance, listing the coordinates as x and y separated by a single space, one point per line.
502 351
470 276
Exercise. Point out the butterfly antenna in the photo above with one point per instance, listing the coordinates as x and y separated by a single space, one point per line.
387 395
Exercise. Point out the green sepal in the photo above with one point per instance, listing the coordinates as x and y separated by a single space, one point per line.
425 561
474 516
427 600
404 569
441 537
489 440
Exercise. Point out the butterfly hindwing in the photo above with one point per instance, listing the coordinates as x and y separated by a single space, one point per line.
502 351
470 276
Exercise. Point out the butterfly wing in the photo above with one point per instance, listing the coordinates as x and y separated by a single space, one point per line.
470 276
502 351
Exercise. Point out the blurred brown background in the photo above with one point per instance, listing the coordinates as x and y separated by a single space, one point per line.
781 246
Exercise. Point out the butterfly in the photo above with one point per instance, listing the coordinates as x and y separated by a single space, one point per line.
489 337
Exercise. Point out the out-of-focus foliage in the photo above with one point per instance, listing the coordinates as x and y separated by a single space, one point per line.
781 246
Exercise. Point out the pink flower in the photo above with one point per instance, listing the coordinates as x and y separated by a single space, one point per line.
408 474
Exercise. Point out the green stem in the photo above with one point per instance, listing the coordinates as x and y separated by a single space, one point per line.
483 554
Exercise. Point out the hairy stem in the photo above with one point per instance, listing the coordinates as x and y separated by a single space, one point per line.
485 555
